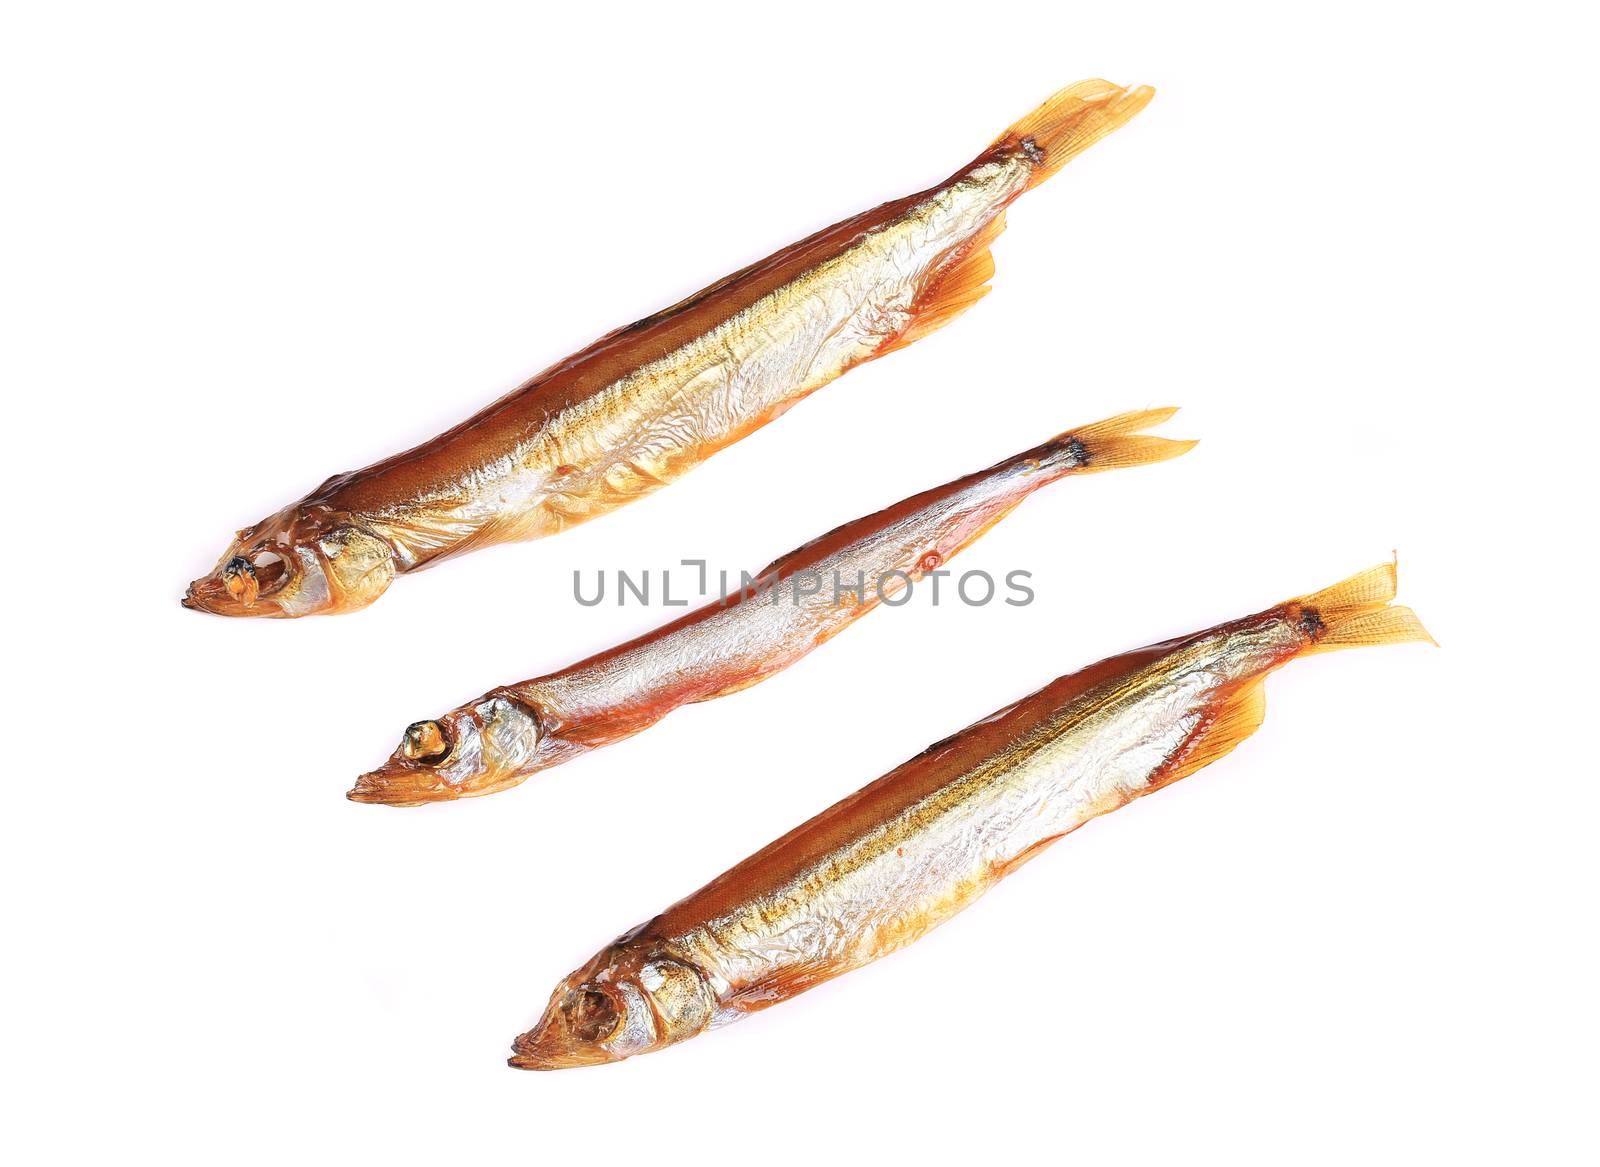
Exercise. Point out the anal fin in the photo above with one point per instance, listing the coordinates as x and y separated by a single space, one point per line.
1226 724
953 288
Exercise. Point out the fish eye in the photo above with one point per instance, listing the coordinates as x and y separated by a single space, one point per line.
425 741
592 1015
247 577
239 577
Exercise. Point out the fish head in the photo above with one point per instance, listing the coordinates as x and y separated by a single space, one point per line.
631 999
478 748
302 561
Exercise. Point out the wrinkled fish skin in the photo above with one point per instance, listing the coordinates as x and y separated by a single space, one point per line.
583 453
642 405
795 604
902 855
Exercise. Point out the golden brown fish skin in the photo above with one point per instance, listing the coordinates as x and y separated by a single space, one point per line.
877 870
728 645
647 403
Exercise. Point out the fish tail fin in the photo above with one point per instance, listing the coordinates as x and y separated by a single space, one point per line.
1110 444
1050 137
1352 613
1357 612
1071 121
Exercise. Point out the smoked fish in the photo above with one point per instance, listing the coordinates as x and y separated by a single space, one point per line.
649 402
795 604
905 853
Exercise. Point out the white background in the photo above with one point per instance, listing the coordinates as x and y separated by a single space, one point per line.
248 246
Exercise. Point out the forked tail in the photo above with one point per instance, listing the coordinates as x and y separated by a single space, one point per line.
1352 613
1051 136
1356 612
1110 444
1073 120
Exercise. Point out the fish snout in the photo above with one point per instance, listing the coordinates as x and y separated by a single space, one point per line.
211 593
397 784
547 1047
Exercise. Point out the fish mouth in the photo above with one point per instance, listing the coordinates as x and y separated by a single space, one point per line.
541 1048
210 594
536 1062
396 785
527 1062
